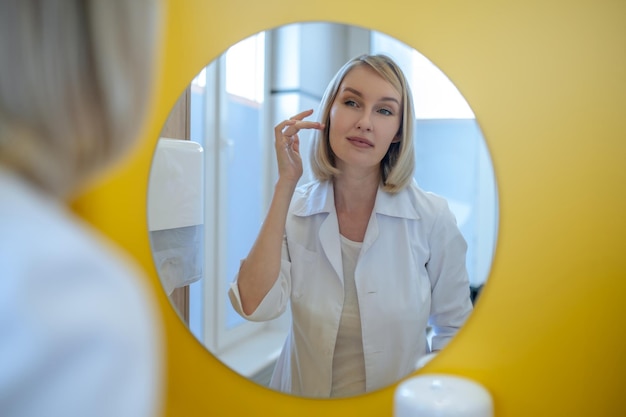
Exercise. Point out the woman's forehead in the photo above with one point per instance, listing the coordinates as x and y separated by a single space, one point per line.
367 82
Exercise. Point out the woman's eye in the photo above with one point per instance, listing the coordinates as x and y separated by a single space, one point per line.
350 103
386 112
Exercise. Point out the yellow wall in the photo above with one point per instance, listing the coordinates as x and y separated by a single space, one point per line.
547 81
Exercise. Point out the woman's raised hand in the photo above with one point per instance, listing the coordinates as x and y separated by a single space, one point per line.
288 145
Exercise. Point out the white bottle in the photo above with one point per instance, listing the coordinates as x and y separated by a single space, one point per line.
439 395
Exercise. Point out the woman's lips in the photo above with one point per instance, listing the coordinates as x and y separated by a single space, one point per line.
361 142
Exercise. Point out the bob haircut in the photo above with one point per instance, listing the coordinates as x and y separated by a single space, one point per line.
398 164
75 78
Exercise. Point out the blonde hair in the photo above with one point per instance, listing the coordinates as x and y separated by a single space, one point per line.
398 164
74 84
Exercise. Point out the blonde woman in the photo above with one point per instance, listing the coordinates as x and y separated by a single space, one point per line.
365 259
79 334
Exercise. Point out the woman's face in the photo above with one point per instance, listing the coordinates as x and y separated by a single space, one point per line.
364 119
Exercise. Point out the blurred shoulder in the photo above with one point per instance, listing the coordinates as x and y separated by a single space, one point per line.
74 298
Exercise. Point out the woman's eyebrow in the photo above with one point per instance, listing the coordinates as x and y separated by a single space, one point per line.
358 93
353 91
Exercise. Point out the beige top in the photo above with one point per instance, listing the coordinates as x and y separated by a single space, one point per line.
348 359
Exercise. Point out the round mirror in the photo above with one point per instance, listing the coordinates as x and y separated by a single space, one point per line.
214 173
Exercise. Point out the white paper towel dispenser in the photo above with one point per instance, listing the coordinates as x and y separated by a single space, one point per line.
176 212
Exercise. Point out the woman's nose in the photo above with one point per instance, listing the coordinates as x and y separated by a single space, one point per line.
365 122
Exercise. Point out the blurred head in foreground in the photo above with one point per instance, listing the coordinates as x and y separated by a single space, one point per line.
74 85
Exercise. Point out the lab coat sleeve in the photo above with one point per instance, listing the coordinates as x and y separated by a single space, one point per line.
450 296
275 301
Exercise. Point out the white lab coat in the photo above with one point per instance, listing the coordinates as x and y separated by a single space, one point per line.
79 334
411 270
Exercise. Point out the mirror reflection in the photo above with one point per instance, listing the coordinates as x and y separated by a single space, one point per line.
359 270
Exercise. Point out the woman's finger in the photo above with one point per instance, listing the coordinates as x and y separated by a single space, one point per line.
278 129
302 115
293 128
292 120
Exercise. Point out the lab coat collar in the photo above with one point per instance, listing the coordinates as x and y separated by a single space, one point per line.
318 197
314 198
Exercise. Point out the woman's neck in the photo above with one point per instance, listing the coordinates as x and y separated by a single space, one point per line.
355 192
355 197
